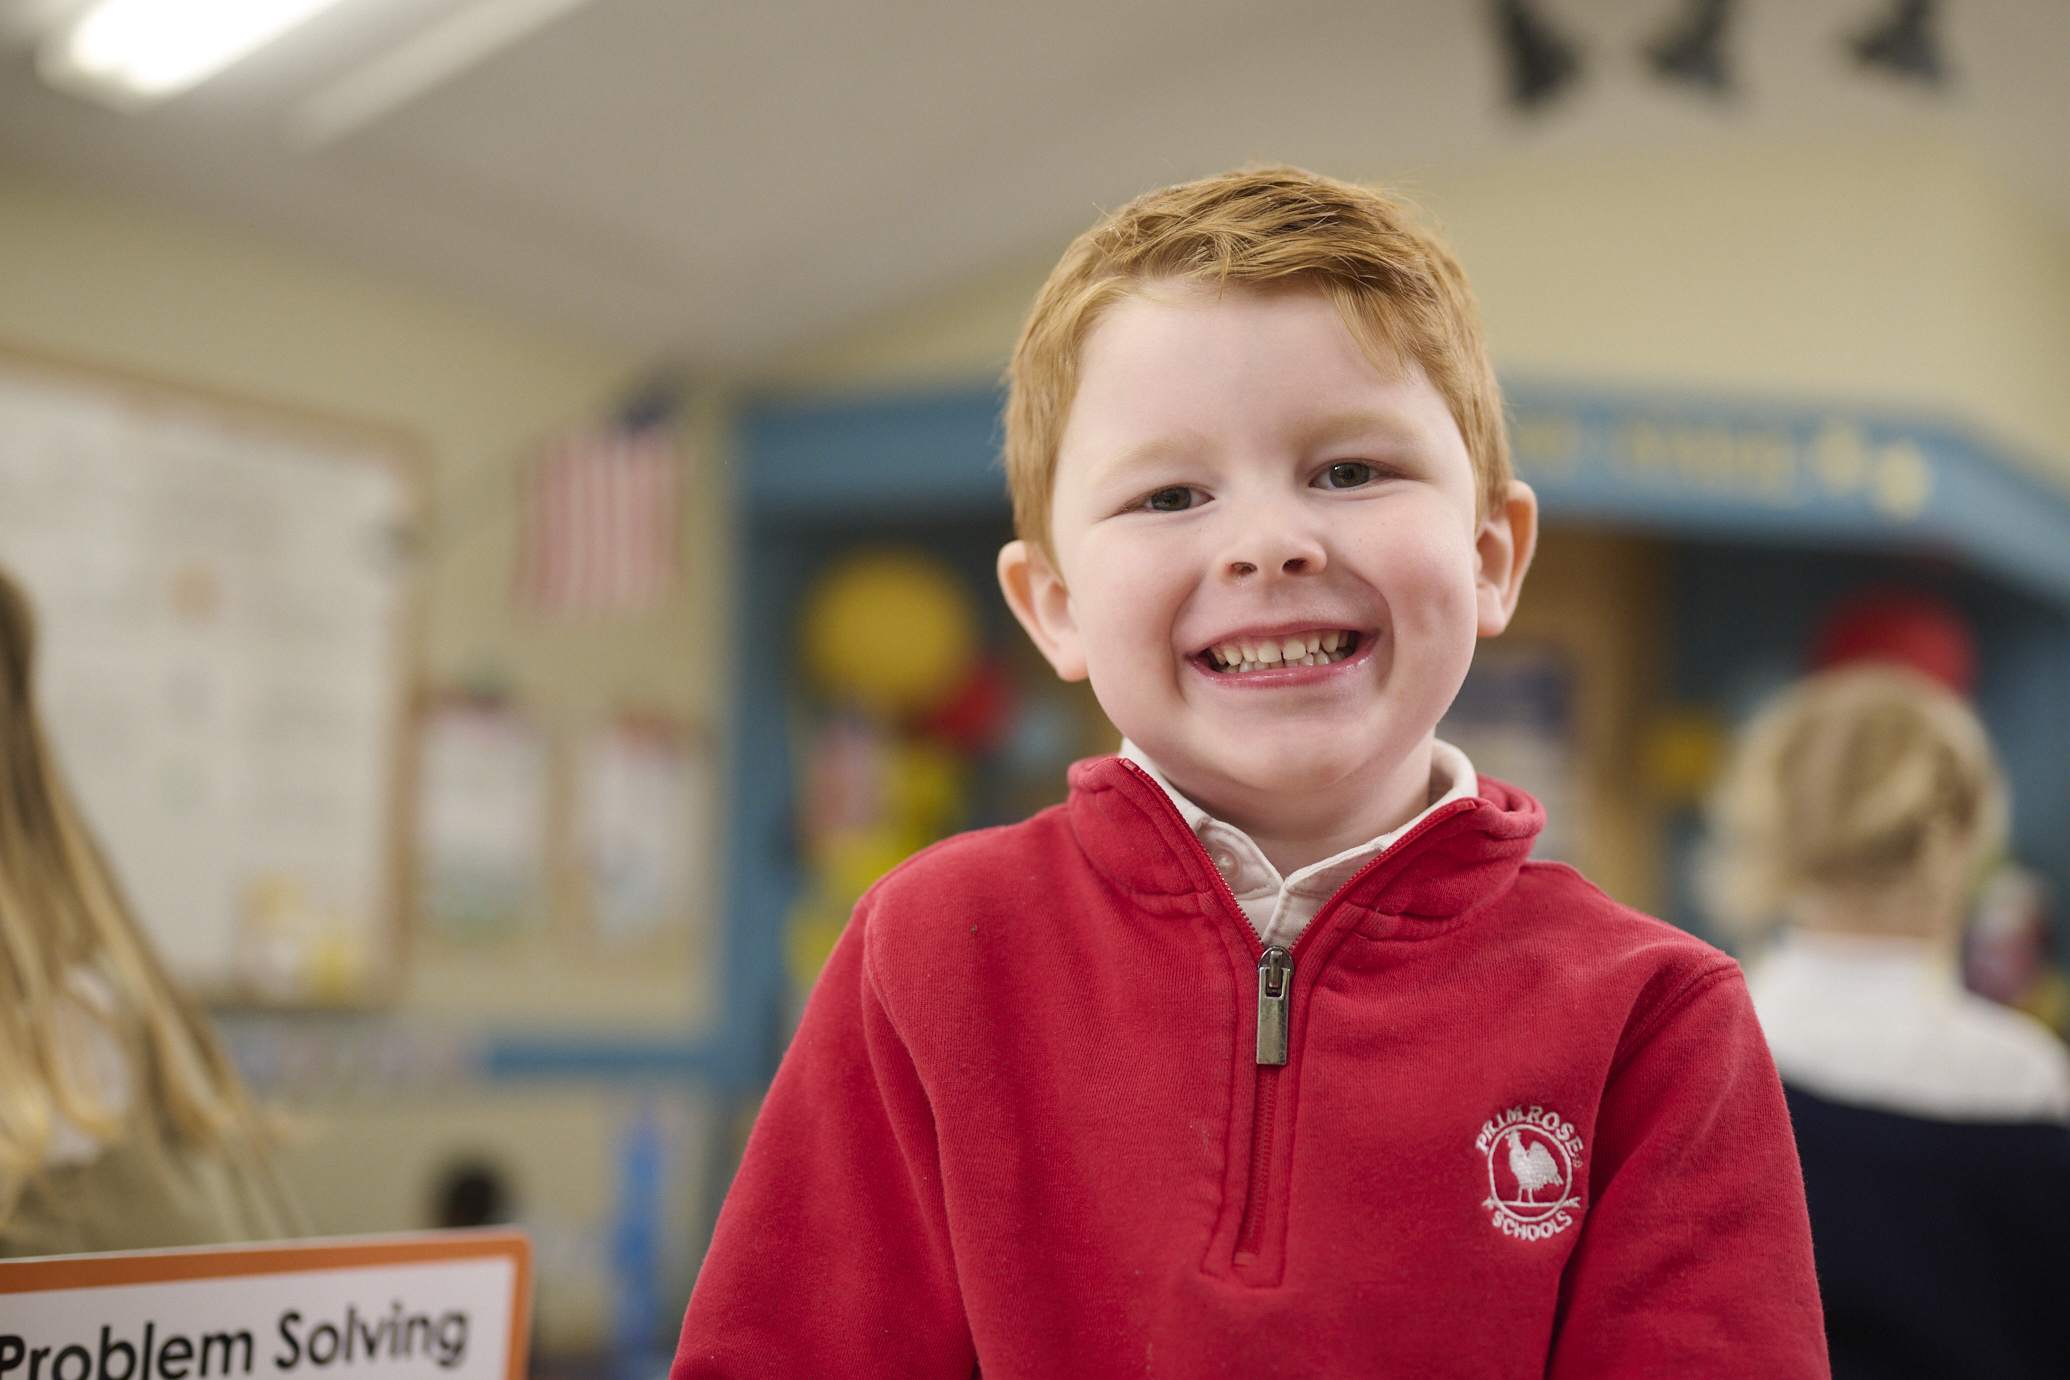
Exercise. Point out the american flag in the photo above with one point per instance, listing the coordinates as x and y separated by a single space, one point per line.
600 523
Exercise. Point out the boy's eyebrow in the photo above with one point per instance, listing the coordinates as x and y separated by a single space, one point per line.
1345 426
1328 430
1156 450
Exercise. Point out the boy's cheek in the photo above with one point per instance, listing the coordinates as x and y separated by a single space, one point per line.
1419 545
1119 679
1431 591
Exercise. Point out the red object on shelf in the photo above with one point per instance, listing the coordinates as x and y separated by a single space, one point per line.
1900 626
973 719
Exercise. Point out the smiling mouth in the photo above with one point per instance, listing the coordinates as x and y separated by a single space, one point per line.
1318 647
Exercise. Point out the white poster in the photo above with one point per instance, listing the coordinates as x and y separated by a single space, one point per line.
220 611
644 821
481 821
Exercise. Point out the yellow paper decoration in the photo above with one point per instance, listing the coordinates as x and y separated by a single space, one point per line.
891 630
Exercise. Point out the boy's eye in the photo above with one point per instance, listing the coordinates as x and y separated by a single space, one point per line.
1348 474
1176 499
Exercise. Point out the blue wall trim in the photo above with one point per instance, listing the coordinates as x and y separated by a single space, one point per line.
1670 463
523 1056
1780 473
915 456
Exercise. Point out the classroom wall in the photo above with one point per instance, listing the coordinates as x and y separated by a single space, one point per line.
122 285
1899 273
106 281
1902 274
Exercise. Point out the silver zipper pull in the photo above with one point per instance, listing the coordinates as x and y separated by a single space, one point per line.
1275 973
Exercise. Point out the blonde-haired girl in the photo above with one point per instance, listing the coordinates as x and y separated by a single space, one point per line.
1855 816
122 1123
1929 1121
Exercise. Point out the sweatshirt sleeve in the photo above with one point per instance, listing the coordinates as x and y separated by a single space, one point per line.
1695 1256
831 1256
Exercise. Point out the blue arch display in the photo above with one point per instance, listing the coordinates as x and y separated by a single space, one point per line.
1777 473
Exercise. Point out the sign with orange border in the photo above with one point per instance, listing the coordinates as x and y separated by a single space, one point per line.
450 1305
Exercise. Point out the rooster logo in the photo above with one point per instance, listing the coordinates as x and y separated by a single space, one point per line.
1532 1166
1532 1157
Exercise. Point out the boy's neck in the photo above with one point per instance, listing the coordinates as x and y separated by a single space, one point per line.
1296 830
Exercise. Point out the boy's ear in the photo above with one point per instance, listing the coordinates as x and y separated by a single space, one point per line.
1036 594
1507 538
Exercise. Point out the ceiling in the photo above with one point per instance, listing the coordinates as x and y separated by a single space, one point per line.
721 183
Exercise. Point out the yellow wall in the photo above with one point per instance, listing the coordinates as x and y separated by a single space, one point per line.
1896 273
118 282
1901 274
1600 600
960 335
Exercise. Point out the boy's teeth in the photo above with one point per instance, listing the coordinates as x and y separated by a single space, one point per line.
1308 649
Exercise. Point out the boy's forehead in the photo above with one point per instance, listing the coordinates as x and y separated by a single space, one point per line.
1164 328
1185 303
1175 357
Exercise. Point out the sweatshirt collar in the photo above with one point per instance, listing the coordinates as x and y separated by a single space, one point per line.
1460 852
1279 908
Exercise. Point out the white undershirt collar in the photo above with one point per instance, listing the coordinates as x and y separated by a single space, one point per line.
1280 908
1883 1022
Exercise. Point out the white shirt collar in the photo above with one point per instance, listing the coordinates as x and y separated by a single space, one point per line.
1280 908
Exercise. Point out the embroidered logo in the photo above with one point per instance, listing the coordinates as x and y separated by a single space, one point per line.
1534 1166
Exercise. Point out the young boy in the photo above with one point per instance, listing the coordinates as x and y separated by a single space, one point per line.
1268 1053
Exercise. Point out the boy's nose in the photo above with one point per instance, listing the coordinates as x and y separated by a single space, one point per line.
1281 552
1292 565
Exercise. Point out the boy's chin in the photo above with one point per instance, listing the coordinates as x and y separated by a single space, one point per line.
1288 771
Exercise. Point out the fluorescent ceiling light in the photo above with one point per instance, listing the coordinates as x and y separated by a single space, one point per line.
462 40
133 53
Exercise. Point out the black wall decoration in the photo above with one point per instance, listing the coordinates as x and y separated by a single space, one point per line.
1692 51
1542 62
1903 44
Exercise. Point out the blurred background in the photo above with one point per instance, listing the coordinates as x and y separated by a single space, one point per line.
510 488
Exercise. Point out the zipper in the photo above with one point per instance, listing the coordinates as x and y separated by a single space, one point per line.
1275 974
1275 1004
1275 1021
1275 982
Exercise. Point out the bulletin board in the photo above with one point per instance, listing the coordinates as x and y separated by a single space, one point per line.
225 603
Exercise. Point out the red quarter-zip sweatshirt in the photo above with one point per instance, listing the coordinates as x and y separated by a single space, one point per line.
1024 1127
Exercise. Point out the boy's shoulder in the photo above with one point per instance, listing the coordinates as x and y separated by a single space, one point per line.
977 868
1013 885
1557 892
1557 917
